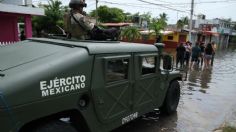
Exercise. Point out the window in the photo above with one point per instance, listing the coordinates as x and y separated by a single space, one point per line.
117 70
148 65
170 37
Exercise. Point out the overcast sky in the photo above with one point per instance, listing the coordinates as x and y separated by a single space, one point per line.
211 8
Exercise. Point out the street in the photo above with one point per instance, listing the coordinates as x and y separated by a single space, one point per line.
207 100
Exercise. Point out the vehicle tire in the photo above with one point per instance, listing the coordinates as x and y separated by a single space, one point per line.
172 98
55 126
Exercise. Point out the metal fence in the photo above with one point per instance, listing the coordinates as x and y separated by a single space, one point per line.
6 43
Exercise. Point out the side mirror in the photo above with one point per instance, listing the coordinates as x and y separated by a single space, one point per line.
167 62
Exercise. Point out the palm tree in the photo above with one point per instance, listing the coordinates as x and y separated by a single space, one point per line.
159 24
52 20
185 20
163 19
182 22
147 17
130 33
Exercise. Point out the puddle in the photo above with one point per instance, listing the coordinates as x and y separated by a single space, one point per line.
207 98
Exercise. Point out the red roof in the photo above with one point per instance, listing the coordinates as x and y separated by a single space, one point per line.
210 33
116 24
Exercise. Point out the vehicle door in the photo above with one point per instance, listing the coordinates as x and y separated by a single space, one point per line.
111 86
147 81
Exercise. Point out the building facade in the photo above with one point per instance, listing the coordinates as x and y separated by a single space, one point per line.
11 13
208 30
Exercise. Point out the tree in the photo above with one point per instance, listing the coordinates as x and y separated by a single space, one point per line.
158 24
182 22
163 19
147 17
53 17
106 14
131 33
128 17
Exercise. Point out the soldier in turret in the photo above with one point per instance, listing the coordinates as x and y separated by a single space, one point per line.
80 26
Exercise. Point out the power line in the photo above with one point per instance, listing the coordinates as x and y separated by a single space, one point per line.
164 6
164 1
205 2
128 4
137 5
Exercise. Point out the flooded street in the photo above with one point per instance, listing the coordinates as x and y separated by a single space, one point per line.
207 100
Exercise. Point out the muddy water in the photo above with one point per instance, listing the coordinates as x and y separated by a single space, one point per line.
207 100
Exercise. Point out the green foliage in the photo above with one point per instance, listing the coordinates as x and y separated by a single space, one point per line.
163 19
229 129
128 17
158 24
147 17
53 17
106 14
181 22
233 39
131 33
234 27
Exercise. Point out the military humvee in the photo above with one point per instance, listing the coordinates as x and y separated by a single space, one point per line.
49 85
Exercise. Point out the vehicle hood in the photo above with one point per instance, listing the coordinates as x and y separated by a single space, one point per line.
23 52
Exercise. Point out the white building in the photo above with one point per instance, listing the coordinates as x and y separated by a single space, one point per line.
218 30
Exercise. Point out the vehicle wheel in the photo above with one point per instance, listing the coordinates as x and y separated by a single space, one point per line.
54 126
172 98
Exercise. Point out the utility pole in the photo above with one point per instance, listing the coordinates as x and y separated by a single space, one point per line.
96 13
191 21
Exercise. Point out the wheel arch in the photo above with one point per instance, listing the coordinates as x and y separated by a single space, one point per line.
174 78
75 118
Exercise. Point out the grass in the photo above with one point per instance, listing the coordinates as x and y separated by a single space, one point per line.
229 129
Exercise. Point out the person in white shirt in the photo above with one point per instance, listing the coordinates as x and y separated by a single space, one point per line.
188 49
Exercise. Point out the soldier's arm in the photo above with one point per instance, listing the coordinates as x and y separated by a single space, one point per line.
85 23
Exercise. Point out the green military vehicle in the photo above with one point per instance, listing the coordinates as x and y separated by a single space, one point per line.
49 85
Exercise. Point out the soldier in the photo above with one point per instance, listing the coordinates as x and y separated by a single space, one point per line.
78 25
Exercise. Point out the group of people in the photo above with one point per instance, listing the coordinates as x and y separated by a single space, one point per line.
198 54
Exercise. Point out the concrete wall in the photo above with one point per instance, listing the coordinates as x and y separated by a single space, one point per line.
17 2
13 2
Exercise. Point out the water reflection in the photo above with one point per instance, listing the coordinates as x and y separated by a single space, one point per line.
151 123
199 78
205 78
206 98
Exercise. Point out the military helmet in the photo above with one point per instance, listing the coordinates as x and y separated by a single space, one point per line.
74 3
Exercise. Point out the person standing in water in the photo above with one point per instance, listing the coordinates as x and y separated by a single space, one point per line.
214 52
196 51
208 55
180 51
202 47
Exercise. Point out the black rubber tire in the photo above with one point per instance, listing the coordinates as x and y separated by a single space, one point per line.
55 126
172 98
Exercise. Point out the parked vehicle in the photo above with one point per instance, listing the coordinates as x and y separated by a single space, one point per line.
96 86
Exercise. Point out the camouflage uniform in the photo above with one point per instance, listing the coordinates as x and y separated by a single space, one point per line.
79 26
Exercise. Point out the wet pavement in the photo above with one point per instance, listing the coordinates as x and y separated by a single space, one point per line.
207 100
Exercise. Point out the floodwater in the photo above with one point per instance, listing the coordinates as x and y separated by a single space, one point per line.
207 100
